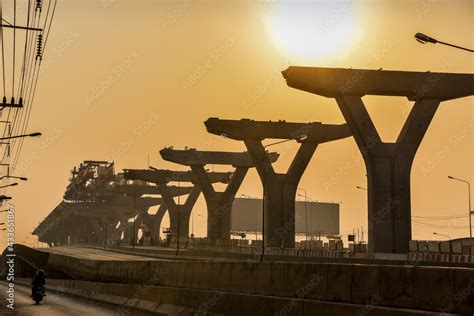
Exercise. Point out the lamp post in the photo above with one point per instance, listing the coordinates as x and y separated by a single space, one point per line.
435 233
177 218
423 39
306 210
469 205
361 188
13 177
192 224
21 136
9 185
3 197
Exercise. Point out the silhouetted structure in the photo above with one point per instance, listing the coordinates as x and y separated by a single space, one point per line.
388 164
151 221
280 189
179 214
98 205
219 204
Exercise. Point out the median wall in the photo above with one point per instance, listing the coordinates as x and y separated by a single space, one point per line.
425 288
184 301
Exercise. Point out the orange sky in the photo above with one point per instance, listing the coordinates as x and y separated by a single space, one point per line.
122 79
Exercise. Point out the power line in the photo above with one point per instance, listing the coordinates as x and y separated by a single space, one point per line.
22 82
36 81
29 76
29 81
439 226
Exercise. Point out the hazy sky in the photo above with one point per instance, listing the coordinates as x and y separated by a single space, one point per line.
122 79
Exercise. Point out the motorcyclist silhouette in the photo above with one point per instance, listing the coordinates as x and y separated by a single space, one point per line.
38 282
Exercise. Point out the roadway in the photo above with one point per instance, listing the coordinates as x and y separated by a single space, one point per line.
95 254
60 304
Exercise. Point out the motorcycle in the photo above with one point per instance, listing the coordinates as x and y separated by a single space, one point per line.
38 294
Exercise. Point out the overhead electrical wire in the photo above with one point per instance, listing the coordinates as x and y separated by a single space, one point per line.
30 77
33 93
15 118
25 82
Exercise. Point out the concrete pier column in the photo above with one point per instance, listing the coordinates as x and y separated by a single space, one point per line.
280 192
219 204
153 221
113 234
97 234
179 214
125 228
388 164
388 171
279 189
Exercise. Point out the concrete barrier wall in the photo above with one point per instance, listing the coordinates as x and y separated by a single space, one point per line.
181 301
443 289
445 247
430 288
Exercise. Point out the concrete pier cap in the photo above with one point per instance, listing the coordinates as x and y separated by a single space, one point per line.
388 164
334 82
193 156
279 189
247 129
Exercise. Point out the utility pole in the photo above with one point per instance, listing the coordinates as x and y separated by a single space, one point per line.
106 227
179 204
15 27
134 219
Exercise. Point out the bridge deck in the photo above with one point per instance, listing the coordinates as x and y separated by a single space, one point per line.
96 254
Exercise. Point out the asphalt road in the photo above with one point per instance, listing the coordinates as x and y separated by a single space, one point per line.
59 304
94 254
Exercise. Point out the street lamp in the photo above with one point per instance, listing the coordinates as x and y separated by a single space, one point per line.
21 136
361 188
9 185
435 233
469 205
423 39
3 197
13 177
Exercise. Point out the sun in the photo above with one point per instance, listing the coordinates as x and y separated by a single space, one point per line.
312 29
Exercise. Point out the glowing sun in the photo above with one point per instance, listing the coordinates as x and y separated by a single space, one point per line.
312 29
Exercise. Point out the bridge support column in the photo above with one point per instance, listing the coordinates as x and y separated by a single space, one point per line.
388 171
153 222
280 192
219 204
113 234
179 214
97 234
125 228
